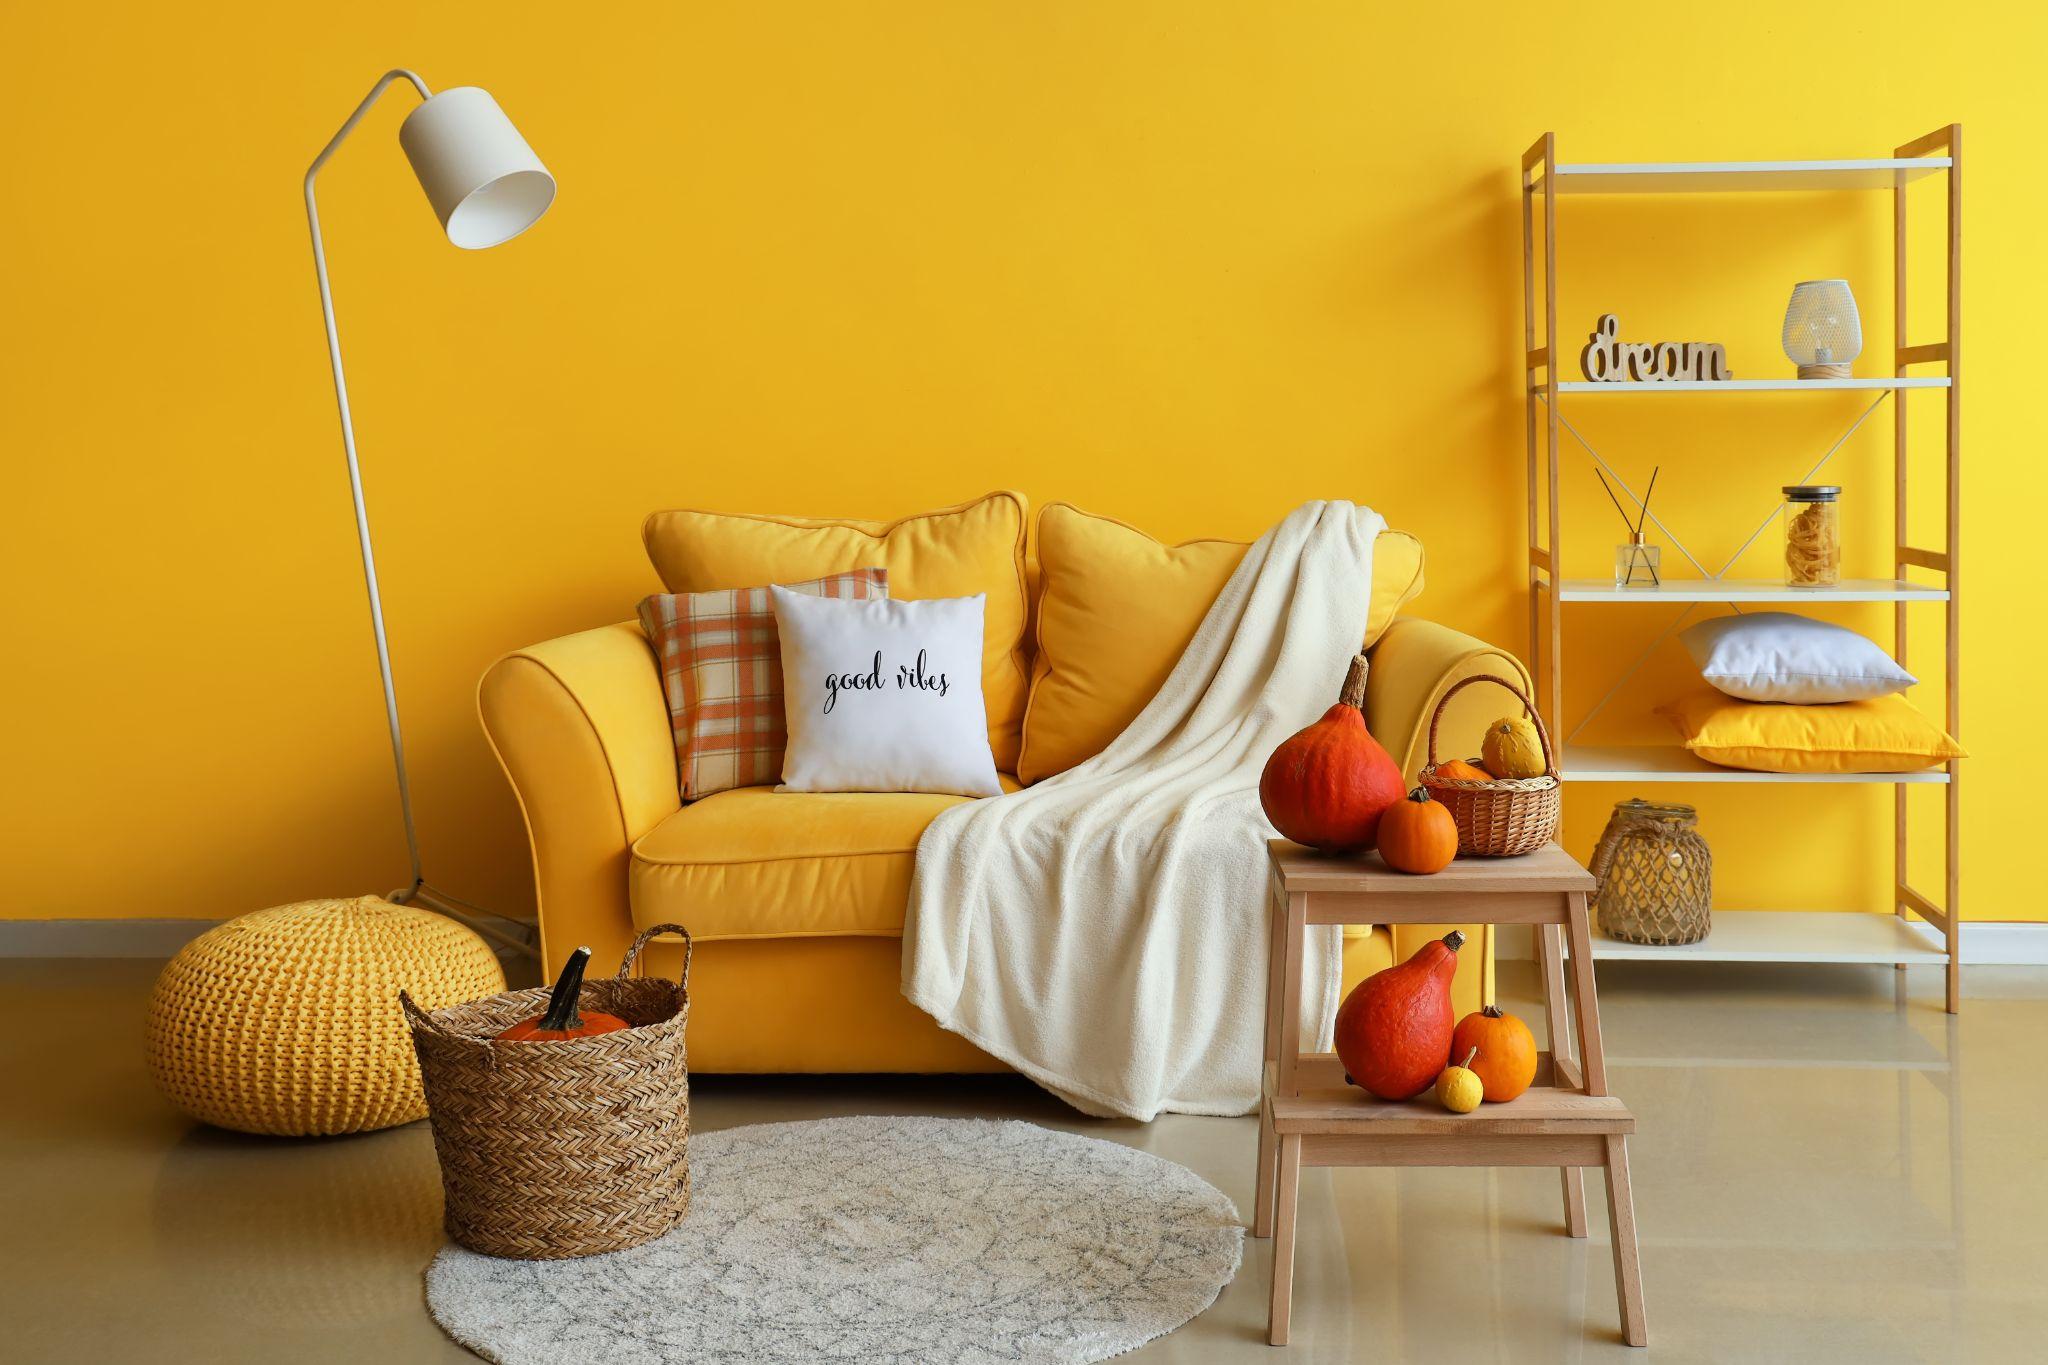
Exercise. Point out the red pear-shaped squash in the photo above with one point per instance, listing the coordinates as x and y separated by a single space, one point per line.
1394 1029
1328 786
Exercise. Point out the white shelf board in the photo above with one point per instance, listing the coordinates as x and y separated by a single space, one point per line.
1791 936
1672 763
1710 177
1786 385
1769 1063
1746 590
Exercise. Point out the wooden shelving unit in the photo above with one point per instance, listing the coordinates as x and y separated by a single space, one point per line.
1924 928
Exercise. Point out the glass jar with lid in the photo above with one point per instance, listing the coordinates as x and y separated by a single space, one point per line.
1813 535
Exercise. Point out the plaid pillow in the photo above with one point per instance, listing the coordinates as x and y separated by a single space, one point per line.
721 672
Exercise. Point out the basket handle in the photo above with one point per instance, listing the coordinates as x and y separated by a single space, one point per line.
633 953
414 1015
1528 708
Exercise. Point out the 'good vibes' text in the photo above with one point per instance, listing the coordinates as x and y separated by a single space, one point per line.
908 678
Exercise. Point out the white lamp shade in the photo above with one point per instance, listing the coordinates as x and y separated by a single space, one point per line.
484 182
1822 326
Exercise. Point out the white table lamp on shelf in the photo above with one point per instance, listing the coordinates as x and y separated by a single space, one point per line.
1823 331
486 186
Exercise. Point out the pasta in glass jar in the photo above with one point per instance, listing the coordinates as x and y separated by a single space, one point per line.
1813 535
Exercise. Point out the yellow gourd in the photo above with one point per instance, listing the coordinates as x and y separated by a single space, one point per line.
1459 1089
1512 748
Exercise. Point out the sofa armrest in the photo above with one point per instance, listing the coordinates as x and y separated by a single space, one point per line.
1413 665
580 727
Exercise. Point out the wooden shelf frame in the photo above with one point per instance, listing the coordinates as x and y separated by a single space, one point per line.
1543 179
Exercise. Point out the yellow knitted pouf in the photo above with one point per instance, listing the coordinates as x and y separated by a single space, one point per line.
286 1020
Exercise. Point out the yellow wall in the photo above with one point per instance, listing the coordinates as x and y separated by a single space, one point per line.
1187 264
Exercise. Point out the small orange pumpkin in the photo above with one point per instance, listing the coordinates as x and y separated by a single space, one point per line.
1506 1063
562 1020
1418 835
1463 770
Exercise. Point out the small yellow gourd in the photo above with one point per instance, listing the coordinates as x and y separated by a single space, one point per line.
1512 748
1459 1089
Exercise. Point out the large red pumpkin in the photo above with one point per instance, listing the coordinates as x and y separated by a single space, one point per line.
1394 1029
1328 785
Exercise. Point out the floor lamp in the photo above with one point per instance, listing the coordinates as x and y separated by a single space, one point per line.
487 187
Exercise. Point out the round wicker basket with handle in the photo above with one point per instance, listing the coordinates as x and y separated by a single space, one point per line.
568 1148
1507 816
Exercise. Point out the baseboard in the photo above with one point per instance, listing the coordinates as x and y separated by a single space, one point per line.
98 937
153 938
2003 944
1987 943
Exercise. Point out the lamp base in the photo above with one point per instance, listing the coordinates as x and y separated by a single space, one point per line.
1823 371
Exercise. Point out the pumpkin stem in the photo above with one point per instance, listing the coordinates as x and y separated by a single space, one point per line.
1491 1011
1454 940
566 994
1467 1063
1354 682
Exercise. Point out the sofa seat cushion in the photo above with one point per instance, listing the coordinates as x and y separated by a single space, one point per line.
754 862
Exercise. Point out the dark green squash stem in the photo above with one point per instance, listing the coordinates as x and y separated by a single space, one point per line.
567 993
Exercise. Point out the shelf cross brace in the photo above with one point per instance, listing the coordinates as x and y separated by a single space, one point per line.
1679 545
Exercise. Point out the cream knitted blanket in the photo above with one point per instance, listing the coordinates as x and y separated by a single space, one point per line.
1104 931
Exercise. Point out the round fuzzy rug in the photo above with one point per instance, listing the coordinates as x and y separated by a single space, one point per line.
899 1240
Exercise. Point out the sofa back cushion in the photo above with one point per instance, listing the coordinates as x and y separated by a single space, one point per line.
1116 608
977 547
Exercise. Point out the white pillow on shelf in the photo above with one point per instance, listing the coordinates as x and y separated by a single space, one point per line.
1781 657
884 696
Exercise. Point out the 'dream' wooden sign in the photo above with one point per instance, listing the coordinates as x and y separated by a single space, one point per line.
1606 360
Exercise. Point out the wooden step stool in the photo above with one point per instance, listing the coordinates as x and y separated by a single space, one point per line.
1310 1117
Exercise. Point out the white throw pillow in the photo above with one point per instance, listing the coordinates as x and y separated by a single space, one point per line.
884 696
1778 656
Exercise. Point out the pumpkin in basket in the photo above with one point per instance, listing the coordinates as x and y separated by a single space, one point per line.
1513 809
1328 785
562 1021
1513 748
1463 770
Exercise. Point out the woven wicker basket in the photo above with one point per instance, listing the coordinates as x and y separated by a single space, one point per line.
1655 874
557 1149
1507 816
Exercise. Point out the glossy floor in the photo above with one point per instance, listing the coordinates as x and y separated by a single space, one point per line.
1828 1169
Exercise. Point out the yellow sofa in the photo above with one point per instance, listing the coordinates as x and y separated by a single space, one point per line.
797 900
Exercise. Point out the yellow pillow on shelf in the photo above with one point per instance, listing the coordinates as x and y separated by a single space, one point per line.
1881 735
1116 608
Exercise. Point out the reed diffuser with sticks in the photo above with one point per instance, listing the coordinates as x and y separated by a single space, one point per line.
1636 561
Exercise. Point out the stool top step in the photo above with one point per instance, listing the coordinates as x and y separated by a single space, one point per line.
1549 868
